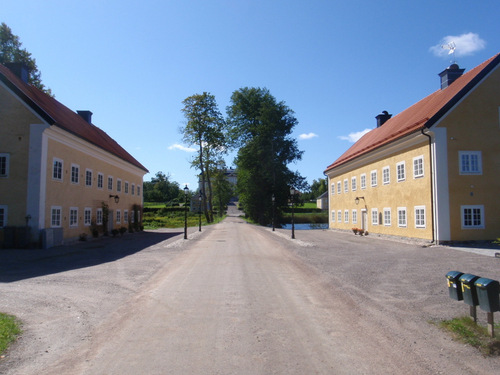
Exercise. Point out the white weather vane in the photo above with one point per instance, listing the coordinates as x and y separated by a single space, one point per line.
451 47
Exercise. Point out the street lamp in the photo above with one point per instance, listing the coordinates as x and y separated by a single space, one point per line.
273 199
186 190
292 194
199 208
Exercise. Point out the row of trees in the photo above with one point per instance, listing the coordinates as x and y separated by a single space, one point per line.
259 128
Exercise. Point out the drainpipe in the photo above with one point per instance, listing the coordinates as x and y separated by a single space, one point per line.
432 184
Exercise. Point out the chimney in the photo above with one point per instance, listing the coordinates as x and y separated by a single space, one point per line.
382 118
86 115
449 75
19 69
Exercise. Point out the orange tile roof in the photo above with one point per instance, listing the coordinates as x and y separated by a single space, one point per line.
57 114
424 113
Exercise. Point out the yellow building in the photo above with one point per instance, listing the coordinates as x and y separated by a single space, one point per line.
432 171
60 176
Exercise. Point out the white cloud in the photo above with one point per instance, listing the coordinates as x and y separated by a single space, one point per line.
465 44
353 137
177 146
307 136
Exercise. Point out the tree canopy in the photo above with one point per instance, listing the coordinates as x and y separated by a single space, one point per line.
261 128
11 52
161 189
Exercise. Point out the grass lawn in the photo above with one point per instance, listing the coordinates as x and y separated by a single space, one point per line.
9 330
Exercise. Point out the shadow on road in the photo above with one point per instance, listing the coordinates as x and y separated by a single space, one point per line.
23 264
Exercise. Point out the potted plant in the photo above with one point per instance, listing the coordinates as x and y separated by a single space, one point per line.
355 230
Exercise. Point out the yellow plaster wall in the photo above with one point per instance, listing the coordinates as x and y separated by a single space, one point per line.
474 125
15 120
408 193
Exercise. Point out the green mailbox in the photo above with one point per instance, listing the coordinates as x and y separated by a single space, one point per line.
488 294
454 287
469 289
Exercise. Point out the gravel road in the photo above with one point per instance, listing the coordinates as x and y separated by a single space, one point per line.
238 299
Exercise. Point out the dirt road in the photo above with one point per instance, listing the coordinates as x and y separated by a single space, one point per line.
240 299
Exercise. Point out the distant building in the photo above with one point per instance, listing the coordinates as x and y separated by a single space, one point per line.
322 201
57 169
432 171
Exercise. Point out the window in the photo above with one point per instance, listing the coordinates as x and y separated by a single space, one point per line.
374 216
333 188
3 216
126 187
75 171
125 216
402 217
333 216
346 216
4 165
373 176
132 189
386 175
57 168
363 181
401 171
339 189
418 167
98 216
118 216
354 183
354 216
472 217
138 190
88 177
346 186
118 185
387 216
87 216
73 216
339 216
470 162
110 182
55 217
100 180
420 216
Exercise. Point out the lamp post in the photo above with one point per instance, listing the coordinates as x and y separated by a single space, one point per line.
292 195
273 199
186 190
199 208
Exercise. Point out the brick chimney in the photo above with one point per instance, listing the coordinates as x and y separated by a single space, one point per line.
86 115
449 75
382 118
19 69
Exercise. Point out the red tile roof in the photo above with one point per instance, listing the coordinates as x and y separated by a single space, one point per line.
424 113
61 116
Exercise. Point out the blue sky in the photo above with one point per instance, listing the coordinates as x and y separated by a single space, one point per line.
336 64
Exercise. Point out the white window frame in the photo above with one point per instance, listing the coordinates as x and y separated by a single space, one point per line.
87 172
469 154
374 216
118 185
362 180
118 216
386 175
5 172
60 166
58 222
339 216
333 188
387 216
125 216
126 187
132 189
98 216
354 216
420 223
346 216
73 217
346 185
334 213
110 183
473 225
401 171
100 180
4 214
87 216
402 219
354 184
138 190
373 178
418 169
75 174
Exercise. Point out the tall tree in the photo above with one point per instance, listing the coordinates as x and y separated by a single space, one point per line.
205 129
11 52
160 189
261 127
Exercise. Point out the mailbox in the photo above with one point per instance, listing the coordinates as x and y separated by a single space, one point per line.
488 294
454 287
469 289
